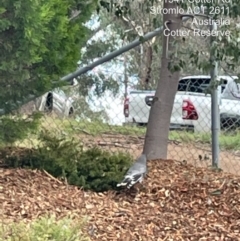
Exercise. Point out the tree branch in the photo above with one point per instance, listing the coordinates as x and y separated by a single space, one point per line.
74 14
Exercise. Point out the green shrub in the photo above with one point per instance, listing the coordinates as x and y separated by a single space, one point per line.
100 170
92 169
13 128
44 229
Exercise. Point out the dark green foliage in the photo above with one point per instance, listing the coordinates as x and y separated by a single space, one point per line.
100 170
92 169
40 41
13 128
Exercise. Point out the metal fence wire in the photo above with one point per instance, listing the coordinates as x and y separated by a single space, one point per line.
104 107
116 121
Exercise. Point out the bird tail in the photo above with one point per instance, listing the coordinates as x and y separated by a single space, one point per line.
121 184
125 182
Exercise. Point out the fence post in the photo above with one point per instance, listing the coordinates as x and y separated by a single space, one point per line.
215 116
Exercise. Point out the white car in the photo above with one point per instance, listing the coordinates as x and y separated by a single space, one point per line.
55 101
196 111
137 105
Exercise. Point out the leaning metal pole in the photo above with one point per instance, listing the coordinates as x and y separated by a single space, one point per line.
215 116
116 53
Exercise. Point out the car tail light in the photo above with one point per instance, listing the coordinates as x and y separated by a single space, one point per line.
189 111
126 107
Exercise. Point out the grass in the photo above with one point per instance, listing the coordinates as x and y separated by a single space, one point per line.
44 229
227 141
92 128
71 127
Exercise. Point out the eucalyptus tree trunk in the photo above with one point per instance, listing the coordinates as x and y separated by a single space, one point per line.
146 65
156 139
148 68
125 76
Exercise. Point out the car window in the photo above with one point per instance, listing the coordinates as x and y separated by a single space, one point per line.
60 92
223 84
194 85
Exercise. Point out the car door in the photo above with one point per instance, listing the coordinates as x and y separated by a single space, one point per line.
59 100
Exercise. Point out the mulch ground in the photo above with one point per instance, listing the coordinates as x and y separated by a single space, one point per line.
177 202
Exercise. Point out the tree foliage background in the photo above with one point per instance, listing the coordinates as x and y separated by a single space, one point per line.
193 51
40 42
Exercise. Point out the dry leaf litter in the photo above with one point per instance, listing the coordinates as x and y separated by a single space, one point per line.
176 202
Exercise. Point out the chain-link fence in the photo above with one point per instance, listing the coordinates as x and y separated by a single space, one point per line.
116 121
105 108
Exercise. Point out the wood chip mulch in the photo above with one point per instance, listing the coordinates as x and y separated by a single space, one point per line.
176 202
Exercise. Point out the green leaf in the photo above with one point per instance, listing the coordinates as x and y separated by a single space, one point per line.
2 10
216 192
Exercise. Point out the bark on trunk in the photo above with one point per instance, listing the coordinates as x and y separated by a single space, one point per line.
156 139
125 76
149 58
145 66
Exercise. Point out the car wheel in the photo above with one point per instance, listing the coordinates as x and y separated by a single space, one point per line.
71 112
49 103
230 123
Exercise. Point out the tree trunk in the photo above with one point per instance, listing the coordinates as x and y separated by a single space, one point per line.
156 139
145 69
125 76
149 59
142 66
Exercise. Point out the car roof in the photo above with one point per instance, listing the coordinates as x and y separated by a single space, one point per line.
208 76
